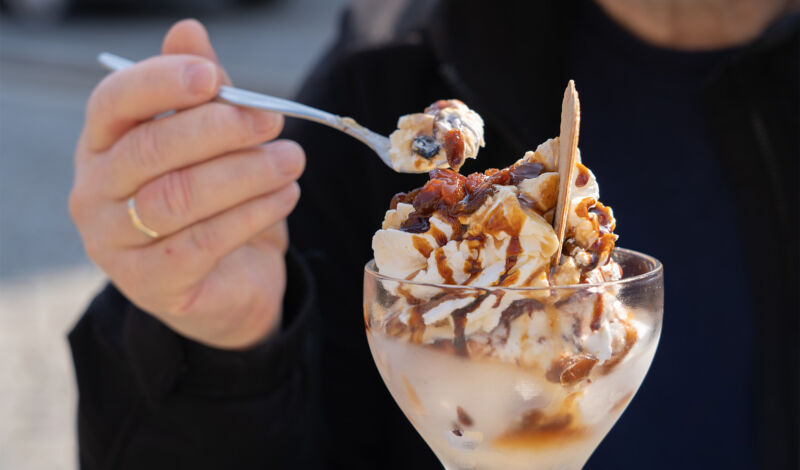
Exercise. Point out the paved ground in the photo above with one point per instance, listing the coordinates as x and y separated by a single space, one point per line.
46 75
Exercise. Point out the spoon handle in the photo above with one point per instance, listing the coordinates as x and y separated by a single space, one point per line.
236 96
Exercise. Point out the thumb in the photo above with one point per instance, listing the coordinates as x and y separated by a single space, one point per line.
190 37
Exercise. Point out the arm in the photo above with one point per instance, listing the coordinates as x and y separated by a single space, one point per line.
150 398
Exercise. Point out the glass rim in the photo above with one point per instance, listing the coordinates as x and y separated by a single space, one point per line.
656 270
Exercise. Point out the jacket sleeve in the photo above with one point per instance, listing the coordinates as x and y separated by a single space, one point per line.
150 398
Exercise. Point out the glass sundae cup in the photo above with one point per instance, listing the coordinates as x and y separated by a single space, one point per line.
540 386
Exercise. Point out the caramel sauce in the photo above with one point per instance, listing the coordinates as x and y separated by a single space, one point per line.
525 170
416 326
548 216
412 395
513 252
603 225
597 313
454 148
443 267
463 418
472 266
415 223
452 197
583 175
517 308
605 220
622 402
499 294
396 199
413 275
533 276
422 246
408 296
582 211
395 328
569 370
438 299
528 203
404 197
441 104
460 322
509 279
538 429
554 433
601 251
439 236
443 345
631 336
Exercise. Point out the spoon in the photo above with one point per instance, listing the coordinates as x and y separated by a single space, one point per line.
567 150
238 97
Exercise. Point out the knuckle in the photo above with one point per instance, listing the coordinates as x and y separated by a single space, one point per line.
254 219
177 193
146 146
203 238
215 116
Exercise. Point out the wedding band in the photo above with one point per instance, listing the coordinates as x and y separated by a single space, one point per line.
137 222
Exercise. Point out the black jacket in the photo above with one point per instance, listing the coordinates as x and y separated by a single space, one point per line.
311 397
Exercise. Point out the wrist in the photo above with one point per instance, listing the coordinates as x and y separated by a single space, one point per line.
164 361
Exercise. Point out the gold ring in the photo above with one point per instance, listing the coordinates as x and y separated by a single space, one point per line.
137 222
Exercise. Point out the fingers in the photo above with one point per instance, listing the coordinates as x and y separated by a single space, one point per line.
191 136
275 236
144 90
188 37
183 197
193 252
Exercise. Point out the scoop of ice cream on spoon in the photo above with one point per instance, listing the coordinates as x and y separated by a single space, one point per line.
444 135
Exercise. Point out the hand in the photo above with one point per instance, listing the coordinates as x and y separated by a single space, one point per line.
218 201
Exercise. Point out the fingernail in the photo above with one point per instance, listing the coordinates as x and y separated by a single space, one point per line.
200 78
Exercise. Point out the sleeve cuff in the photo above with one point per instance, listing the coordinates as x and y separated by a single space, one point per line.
268 364
165 362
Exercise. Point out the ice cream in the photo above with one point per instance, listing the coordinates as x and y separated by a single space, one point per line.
493 344
445 135
493 229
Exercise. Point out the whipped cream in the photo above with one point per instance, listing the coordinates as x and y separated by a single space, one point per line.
508 239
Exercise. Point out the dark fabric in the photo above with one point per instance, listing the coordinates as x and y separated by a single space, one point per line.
511 66
753 104
645 134
149 398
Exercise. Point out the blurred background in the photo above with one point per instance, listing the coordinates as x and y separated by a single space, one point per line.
47 70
